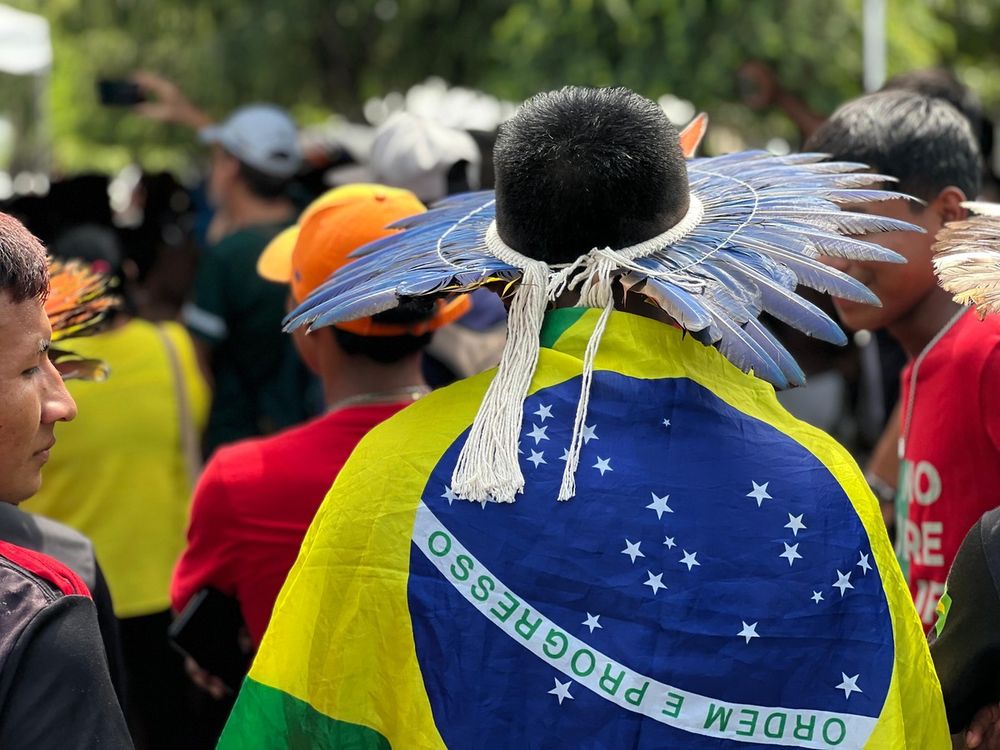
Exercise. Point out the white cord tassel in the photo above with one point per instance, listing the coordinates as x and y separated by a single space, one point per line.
595 291
488 467
568 487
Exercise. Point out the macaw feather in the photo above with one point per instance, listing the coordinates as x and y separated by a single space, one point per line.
766 222
79 299
967 258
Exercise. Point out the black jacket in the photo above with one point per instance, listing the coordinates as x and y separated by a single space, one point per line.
55 691
76 551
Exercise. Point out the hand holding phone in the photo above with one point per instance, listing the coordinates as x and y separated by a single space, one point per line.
113 92
208 631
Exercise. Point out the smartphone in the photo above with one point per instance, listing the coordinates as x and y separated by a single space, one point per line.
114 92
208 630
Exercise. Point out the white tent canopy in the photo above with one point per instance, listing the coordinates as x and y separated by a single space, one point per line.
25 47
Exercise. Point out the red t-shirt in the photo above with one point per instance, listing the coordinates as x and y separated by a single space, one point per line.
950 473
254 503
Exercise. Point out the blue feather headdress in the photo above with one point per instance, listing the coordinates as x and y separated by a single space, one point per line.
755 229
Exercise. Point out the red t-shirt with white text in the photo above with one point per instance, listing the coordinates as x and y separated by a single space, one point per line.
950 473
253 505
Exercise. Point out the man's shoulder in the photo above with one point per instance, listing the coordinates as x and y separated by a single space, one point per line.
266 460
975 341
41 534
36 576
246 240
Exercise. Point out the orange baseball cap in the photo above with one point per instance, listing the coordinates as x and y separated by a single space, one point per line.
329 230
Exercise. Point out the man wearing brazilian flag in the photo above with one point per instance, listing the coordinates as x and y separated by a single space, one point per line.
618 539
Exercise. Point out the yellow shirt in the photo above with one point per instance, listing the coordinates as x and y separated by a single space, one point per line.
118 472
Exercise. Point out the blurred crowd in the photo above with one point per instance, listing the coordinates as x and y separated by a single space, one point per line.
193 472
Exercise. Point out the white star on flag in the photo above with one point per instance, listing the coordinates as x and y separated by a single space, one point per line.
603 465
863 563
749 631
659 504
565 455
483 503
843 582
589 433
538 433
654 582
543 413
561 691
632 550
795 524
449 495
669 542
849 685
536 458
791 553
666 422
592 622
816 597
689 559
759 492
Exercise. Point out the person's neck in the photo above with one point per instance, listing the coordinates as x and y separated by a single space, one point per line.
916 329
360 376
244 209
629 303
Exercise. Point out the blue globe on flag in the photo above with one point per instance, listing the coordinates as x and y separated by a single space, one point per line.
710 585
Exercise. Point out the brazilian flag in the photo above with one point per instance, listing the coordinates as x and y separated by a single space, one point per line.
721 579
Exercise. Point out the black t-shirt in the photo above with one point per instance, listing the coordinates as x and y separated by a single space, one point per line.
965 641
261 386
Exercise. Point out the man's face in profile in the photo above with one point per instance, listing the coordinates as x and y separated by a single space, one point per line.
32 397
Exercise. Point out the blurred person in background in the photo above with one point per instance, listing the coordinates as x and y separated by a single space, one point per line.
950 474
55 687
159 237
256 498
258 384
123 477
434 161
965 640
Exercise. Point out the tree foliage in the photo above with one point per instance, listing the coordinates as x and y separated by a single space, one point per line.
318 56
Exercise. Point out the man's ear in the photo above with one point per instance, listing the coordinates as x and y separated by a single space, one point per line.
948 204
307 345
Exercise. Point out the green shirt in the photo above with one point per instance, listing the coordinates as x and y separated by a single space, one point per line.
261 385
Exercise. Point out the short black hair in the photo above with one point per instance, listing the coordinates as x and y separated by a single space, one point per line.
922 141
24 267
387 350
581 168
942 83
265 186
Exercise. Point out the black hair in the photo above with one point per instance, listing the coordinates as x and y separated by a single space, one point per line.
923 142
387 350
581 168
24 268
942 83
265 186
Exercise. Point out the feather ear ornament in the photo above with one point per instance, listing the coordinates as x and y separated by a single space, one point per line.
755 228
77 303
967 258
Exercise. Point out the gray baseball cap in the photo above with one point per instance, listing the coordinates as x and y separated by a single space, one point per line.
261 136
